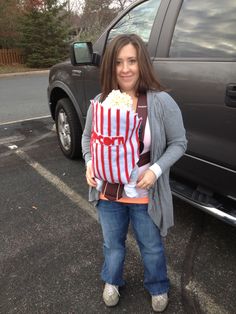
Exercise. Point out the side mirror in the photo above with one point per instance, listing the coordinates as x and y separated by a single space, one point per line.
81 53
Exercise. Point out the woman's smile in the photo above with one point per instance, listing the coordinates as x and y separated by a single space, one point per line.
127 69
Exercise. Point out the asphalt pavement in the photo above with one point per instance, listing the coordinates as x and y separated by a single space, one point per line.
50 238
23 96
51 242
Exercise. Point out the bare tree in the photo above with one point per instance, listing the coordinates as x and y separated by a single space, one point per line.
122 4
76 6
79 5
95 17
90 17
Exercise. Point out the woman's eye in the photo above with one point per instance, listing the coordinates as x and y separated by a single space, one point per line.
132 61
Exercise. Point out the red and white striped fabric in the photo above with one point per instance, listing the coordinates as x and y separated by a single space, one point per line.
114 143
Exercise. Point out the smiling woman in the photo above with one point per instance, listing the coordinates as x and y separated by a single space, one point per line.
147 203
127 70
204 86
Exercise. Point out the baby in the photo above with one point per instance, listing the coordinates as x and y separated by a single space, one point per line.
115 142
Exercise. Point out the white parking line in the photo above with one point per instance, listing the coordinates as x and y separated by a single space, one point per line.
10 139
59 184
23 120
208 304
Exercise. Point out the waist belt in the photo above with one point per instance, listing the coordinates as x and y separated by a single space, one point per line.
114 191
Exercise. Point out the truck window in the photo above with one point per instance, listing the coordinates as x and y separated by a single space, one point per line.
205 29
137 21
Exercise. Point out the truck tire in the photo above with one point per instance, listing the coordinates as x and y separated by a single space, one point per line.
68 128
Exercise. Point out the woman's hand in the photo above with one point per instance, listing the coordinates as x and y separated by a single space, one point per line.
146 180
90 175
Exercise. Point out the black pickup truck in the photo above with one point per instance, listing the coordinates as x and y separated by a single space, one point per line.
193 48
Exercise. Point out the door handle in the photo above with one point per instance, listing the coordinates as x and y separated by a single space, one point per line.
230 95
76 72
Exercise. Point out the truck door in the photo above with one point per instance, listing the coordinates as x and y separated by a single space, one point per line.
196 59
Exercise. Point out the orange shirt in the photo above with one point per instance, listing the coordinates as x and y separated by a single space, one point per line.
139 200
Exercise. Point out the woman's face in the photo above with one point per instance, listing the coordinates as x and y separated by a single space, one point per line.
127 69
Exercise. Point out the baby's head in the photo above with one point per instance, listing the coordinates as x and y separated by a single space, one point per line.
118 99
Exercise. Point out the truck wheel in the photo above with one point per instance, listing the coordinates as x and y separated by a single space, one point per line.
68 128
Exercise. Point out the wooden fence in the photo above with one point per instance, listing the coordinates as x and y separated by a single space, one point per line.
11 56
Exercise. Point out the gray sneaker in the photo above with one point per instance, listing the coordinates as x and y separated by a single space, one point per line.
111 295
159 302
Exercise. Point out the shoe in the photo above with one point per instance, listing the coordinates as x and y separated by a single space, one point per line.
159 302
111 295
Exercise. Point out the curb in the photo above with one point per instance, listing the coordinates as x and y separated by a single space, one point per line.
25 73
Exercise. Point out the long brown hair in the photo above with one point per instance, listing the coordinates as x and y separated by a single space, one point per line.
147 78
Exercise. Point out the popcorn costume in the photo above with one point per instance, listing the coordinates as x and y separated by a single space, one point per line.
115 141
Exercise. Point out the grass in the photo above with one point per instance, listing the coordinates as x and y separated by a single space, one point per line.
16 68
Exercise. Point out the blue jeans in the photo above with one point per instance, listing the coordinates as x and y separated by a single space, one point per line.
114 218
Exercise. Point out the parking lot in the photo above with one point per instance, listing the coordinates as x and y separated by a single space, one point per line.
51 243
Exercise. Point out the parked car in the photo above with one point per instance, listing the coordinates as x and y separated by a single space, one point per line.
193 48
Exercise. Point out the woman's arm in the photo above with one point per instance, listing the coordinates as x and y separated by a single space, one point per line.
86 136
176 142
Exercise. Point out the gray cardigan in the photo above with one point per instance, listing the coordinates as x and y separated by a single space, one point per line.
168 144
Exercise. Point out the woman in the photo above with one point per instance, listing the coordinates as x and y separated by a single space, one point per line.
126 66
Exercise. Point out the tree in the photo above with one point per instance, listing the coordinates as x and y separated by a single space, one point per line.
122 4
45 29
95 17
9 26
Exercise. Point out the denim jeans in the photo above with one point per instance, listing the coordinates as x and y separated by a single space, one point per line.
114 218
